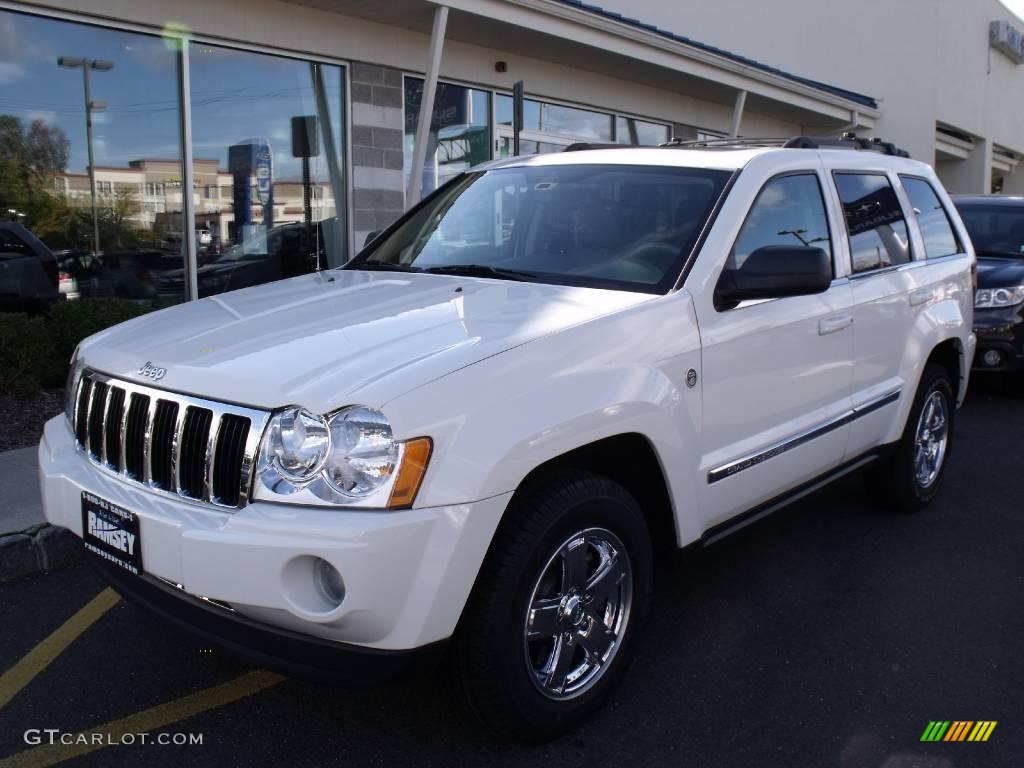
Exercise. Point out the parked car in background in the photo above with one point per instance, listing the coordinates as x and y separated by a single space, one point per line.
127 274
133 274
283 251
995 224
29 277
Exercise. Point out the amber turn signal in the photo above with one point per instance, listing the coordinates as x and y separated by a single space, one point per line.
415 457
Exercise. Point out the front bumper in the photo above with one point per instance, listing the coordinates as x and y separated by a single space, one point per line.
1001 332
288 652
407 574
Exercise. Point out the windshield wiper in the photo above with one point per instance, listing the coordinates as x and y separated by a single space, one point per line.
480 270
383 266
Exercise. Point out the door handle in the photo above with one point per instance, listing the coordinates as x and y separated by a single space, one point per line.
833 324
921 296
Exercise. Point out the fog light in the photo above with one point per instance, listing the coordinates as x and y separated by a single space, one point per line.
329 582
992 357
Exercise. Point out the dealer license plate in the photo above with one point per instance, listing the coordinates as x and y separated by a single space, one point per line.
111 532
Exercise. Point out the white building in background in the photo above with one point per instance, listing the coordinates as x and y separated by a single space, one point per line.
949 86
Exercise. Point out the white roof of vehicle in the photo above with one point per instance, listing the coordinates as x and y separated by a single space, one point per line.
726 159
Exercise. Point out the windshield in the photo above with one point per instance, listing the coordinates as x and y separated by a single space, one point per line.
605 226
995 230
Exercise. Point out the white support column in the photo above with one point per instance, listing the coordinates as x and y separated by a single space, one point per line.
188 207
737 113
419 155
972 176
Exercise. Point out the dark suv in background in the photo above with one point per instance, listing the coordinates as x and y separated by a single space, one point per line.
996 226
28 271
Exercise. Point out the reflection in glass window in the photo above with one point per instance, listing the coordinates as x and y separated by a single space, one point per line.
874 221
932 218
46 195
603 226
630 130
789 210
267 135
528 147
995 230
569 122
459 135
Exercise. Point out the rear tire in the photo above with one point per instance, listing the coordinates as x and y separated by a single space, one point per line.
908 480
552 621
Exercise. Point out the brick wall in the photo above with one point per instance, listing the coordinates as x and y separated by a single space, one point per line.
378 133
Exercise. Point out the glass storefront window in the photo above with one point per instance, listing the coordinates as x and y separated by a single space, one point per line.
630 130
460 135
74 241
267 135
569 122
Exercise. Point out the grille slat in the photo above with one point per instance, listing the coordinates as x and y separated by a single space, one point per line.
97 409
82 412
170 443
112 428
164 422
228 457
135 436
194 440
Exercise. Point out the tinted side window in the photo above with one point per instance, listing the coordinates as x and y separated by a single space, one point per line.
789 210
874 221
939 239
11 243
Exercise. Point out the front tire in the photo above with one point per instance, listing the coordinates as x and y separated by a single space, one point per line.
909 479
551 624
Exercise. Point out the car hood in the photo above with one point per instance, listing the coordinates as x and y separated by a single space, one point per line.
338 337
1000 273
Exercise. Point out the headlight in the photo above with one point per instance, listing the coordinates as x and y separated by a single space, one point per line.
987 298
298 444
363 454
350 458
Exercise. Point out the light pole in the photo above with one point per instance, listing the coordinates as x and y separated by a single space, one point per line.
74 62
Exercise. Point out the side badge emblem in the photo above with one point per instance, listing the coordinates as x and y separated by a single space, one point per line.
691 378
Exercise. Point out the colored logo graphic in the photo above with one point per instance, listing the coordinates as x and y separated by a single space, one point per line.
958 730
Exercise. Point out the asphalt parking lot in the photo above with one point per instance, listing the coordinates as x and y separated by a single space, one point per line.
829 634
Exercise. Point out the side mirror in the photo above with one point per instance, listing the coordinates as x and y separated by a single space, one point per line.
774 272
370 237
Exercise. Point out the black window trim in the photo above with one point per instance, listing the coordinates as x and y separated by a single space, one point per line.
815 172
960 250
913 261
698 244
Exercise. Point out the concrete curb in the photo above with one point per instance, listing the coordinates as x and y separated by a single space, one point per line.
42 547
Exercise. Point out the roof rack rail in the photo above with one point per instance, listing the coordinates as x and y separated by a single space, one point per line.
580 146
845 141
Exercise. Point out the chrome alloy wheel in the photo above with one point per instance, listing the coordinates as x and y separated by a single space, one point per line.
577 613
931 440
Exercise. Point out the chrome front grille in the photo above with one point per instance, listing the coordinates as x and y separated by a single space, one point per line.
183 446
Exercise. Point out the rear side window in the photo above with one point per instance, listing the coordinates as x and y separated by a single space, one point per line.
789 210
11 243
937 232
874 221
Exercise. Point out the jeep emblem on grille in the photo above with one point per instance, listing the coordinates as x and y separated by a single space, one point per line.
151 371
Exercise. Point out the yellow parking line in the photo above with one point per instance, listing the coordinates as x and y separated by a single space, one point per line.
148 720
40 657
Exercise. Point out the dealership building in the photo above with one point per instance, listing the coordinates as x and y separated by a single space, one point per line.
245 118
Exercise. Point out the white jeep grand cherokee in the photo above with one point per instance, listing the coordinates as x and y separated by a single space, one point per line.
477 430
